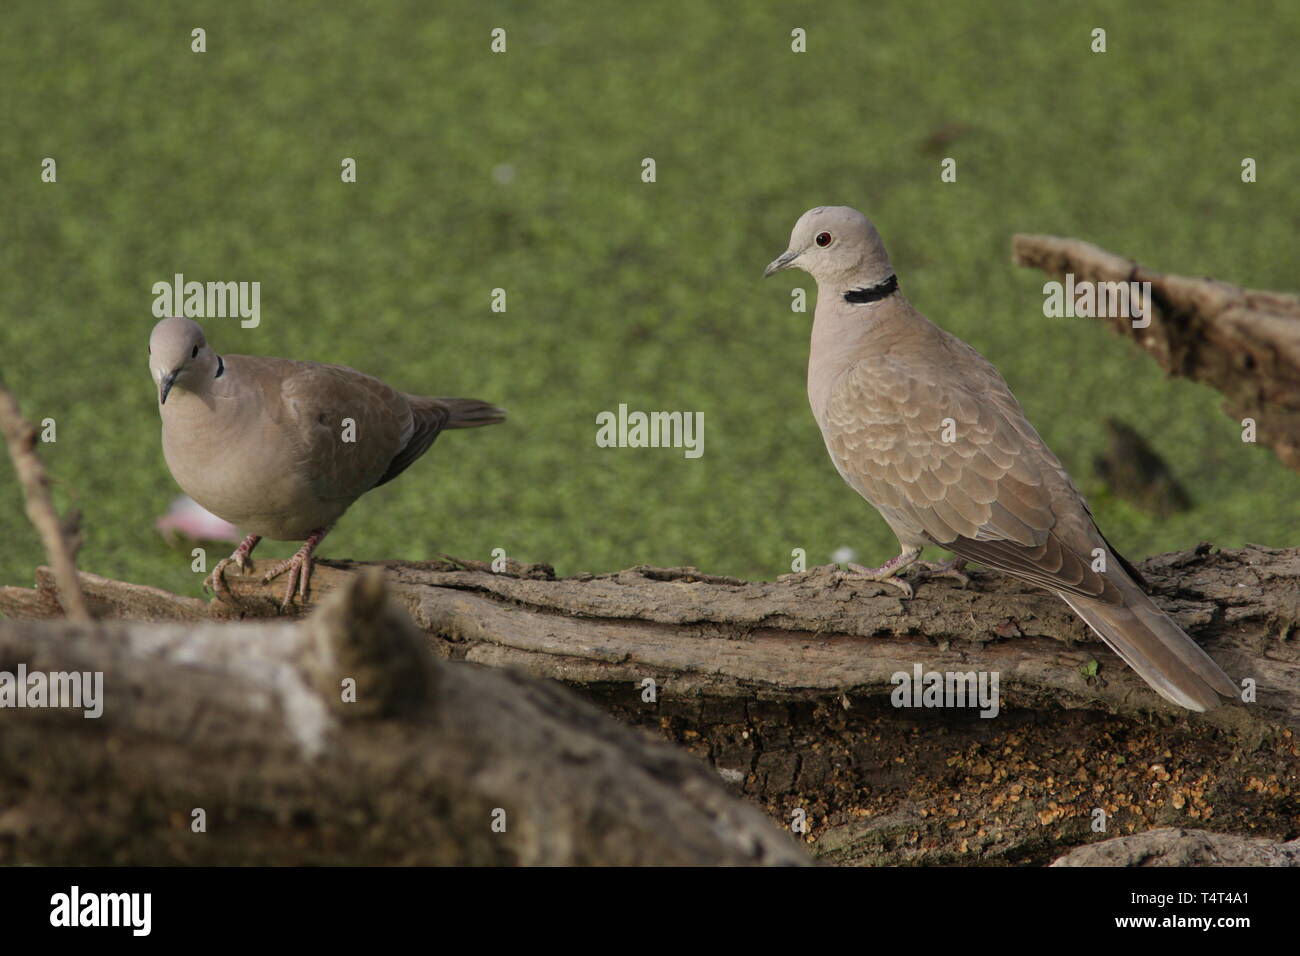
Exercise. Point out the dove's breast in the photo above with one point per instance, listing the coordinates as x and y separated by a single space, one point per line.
242 464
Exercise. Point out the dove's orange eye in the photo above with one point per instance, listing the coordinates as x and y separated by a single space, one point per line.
823 239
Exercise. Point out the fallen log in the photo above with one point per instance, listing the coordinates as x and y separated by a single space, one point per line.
1170 846
225 744
785 688
1243 342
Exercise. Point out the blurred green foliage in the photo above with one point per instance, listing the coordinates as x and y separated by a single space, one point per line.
522 171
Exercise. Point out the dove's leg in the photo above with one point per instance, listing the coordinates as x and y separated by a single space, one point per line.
242 557
299 568
947 569
885 574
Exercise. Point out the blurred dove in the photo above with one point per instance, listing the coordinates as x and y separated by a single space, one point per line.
926 430
189 519
282 448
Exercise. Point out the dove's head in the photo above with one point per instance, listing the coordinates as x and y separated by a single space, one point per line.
836 245
179 355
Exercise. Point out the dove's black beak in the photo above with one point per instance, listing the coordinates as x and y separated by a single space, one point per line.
165 386
780 262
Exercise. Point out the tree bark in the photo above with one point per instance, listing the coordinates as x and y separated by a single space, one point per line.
1243 342
244 728
1169 846
785 688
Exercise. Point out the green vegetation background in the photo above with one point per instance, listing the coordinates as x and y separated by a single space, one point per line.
225 166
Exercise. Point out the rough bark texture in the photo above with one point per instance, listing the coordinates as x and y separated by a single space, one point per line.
1169 846
248 723
784 687
1243 342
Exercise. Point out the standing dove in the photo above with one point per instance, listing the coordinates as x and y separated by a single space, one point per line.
925 429
282 448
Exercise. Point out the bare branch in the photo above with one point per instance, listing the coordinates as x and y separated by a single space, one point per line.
1242 342
20 437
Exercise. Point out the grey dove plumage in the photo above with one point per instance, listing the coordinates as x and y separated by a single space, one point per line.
927 431
263 442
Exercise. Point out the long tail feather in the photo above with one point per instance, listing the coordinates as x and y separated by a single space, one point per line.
1153 645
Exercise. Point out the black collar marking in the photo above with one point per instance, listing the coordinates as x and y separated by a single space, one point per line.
873 293
221 368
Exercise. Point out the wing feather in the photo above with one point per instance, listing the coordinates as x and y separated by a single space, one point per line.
994 493
350 425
